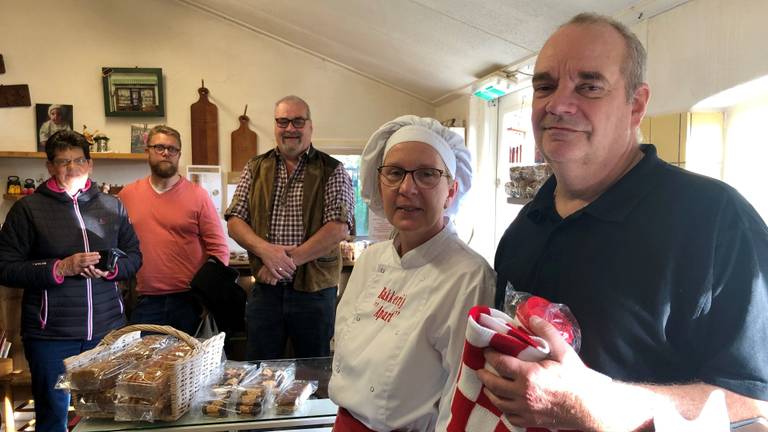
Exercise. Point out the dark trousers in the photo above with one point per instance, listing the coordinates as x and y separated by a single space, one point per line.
46 363
276 313
179 310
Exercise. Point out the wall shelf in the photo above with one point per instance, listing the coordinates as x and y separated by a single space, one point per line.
94 155
13 197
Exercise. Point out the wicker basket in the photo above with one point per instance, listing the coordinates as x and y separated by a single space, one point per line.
186 375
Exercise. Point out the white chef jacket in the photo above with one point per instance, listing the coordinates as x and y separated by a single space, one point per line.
400 329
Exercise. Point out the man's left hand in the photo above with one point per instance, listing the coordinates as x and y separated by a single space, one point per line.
540 393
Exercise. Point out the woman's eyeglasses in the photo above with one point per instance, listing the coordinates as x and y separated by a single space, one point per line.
425 178
159 149
66 162
297 122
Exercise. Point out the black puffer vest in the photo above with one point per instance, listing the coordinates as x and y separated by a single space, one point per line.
48 226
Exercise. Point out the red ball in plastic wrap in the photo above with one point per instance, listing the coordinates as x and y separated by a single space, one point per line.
542 308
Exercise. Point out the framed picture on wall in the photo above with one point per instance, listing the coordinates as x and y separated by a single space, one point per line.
133 92
51 118
139 138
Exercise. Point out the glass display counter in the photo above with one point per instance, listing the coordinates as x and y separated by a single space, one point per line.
315 414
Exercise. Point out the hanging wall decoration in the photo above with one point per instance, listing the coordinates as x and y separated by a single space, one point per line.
133 92
205 130
51 118
244 143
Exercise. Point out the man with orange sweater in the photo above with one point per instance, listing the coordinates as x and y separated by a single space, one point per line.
178 228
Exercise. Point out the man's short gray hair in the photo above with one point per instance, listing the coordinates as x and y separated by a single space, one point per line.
633 66
295 99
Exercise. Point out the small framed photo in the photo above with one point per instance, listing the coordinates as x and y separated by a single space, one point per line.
139 135
51 118
133 92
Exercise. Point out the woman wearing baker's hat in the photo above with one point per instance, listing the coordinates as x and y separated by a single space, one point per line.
401 322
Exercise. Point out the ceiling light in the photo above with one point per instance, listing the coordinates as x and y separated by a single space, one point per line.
494 86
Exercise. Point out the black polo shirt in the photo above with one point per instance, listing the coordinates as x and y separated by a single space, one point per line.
665 272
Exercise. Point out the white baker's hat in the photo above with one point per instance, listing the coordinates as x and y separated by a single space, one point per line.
448 144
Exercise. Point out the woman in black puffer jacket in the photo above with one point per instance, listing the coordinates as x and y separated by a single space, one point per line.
49 247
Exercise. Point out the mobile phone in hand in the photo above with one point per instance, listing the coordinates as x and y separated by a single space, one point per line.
108 259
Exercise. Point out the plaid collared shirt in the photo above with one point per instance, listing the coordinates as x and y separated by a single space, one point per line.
286 226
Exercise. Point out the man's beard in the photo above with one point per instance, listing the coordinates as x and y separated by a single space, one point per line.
164 169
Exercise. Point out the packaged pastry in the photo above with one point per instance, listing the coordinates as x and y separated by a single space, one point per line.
215 401
145 347
234 372
293 395
95 405
174 352
252 399
272 375
149 379
138 409
102 374
249 410
215 408
253 394
97 376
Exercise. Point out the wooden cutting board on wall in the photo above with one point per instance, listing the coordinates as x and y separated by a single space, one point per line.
244 143
205 130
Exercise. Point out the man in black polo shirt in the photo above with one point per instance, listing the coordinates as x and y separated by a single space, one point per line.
665 270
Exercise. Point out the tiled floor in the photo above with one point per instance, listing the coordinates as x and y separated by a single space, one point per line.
24 418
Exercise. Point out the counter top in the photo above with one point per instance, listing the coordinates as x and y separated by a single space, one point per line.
314 412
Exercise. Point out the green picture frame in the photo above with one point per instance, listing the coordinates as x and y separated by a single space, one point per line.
133 92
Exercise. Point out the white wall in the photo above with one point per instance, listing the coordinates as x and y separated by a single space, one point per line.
746 150
703 47
457 108
59 49
60 52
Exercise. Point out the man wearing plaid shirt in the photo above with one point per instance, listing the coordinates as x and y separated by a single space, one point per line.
292 207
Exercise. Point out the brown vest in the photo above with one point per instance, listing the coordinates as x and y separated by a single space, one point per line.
324 271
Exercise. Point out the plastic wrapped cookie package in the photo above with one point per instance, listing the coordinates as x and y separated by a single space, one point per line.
149 379
216 399
138 409
101 374
292 396
254 394
260 388
95 405
271 374
253 399
143 389
233 372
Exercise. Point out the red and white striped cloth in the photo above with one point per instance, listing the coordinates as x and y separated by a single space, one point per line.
471 410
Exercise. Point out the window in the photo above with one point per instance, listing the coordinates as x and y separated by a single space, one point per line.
352 164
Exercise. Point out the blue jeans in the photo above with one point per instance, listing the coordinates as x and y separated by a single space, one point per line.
276 313
179 310
46 363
